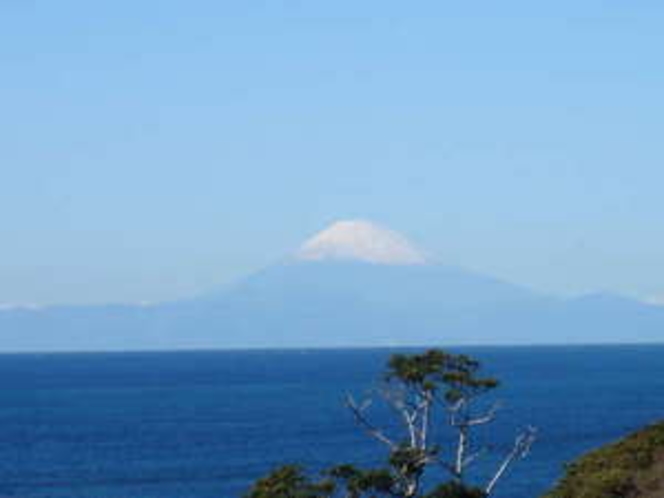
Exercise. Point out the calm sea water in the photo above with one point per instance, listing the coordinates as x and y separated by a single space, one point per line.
204 424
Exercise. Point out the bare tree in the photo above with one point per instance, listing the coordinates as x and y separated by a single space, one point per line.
416 387
429 393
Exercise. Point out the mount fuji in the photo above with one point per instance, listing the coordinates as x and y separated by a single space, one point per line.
353 284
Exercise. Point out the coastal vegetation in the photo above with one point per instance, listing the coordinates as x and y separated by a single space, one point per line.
421 389
630 468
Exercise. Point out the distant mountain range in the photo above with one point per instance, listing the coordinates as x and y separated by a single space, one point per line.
354 284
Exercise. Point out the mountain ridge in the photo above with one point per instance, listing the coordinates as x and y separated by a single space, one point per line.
364 288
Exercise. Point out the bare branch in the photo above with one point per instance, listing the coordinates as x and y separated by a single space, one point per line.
445 465
474 456
488 417
522 445
462 446
371 429
454 411
426 421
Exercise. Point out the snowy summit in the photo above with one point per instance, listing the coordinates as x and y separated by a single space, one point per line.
361 240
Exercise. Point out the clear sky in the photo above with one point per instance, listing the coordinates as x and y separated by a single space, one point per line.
150 150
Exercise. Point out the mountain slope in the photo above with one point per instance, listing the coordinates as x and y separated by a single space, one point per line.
354 284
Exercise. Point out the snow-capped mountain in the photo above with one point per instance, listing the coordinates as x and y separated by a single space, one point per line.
360 240
353 284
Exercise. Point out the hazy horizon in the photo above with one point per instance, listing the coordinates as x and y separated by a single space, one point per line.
149 153
381 247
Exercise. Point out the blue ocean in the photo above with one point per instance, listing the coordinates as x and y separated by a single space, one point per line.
205 424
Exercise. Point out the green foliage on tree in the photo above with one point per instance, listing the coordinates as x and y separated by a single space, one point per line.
455 490
290 481
421 388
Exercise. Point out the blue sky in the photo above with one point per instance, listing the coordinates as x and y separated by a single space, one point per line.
150 150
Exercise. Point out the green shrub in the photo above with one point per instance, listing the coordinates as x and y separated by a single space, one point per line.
625 469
